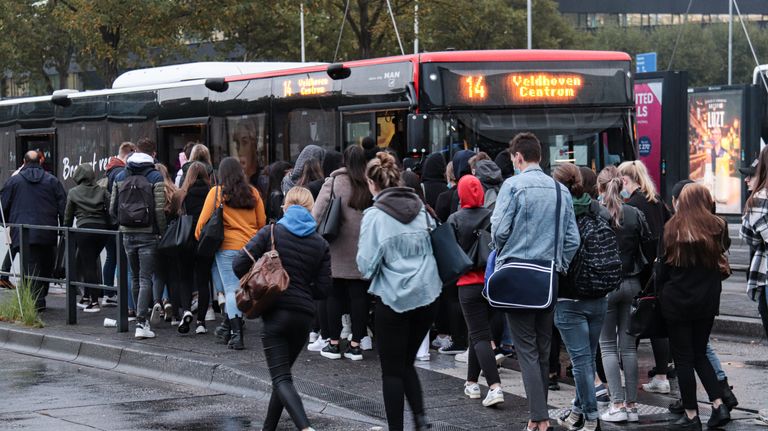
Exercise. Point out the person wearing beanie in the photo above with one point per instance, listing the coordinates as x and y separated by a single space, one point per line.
308 153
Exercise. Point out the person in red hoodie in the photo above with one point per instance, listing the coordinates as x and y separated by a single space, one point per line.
466 222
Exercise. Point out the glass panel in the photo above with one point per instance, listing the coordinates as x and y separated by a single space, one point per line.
248 141
311 126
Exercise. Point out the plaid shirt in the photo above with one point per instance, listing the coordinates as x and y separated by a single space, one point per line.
754 230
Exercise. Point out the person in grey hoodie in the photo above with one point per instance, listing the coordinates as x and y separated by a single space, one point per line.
490 177
309 152
87 202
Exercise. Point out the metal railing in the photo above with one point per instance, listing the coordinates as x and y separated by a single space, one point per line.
71 286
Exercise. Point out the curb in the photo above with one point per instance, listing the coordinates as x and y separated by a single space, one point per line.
159 366
742 327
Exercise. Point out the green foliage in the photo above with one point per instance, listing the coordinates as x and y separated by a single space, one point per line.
18 306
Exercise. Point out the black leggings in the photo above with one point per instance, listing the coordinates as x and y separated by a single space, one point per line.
355 294
398 337
554 352
762 308
195 275
283 337
689 348
477 313
661 354
89 247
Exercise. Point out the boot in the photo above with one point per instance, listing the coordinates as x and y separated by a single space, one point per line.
223 331
421 422
729 399
720 416
236 342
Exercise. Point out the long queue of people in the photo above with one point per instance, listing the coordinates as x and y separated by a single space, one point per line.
376 278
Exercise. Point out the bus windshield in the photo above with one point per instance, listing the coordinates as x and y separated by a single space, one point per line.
593 138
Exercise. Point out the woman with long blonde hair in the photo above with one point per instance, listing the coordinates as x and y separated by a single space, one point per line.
639 191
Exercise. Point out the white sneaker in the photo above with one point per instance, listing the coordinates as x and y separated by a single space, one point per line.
109 301
462 357
763 415
201 329
346 326
366 343
92 308
186 320
632 415
494 396
441 341
143 331
313 337
84 302
615 415
318 345
221 298
472 390
657 386
155 318
423 358
210 316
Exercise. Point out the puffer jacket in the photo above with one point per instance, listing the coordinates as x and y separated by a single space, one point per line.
142 164
86 202
304 255
344 247
471 217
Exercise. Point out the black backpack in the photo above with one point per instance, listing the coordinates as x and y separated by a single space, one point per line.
136 202
596 269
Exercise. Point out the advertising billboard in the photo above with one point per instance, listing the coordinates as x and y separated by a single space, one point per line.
714 145
648 106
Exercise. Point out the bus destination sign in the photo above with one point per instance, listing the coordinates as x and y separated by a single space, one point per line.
525 87
306 86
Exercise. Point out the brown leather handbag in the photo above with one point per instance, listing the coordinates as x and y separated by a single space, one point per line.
263 283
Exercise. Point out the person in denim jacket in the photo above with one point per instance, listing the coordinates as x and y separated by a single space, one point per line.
522 226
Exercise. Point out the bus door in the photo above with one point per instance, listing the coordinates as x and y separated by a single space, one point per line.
173 136
387 128
43 140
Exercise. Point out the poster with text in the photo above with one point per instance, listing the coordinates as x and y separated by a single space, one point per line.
648 109
714 145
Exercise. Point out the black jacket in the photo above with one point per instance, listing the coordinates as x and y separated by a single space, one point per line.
632 235
433 178
447 204
34 197
195 198
656 215
466 221
307 261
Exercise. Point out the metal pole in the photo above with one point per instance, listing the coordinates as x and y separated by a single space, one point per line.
730 42
530 27
301 20
416 27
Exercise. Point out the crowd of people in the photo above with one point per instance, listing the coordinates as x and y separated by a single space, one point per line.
375 281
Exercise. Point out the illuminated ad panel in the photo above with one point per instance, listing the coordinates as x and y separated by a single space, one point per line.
494 84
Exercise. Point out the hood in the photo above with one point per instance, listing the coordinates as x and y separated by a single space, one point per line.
434 168
471 194
504 162
488 173
84 174
32 173
581 204
399 202
461 163
309 152
139 162
299 221
115 162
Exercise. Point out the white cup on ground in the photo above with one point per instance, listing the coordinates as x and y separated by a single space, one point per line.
110 323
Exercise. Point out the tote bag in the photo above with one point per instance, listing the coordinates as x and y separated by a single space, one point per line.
524 283
212 234
330 222
179 235
452 262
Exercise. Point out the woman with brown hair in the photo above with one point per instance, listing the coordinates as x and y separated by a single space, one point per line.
195 270
690 283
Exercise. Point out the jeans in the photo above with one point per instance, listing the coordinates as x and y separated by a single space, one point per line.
615 327
355 294
532 334
477 313
110 263
229 280
218 286
141 249
283 336
398 337
580 323
715 361
689 341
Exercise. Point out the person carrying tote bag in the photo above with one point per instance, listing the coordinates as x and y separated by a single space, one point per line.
522 229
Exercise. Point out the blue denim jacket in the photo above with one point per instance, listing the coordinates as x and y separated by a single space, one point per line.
523 222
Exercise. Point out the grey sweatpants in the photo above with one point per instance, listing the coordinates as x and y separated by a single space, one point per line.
615 342
532 335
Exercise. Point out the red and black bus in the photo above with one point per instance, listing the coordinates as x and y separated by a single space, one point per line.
579 103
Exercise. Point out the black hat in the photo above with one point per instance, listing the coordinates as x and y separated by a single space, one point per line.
678 188
750 170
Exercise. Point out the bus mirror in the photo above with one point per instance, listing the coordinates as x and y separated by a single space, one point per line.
417 133
218 85
61 100
337 71
616 140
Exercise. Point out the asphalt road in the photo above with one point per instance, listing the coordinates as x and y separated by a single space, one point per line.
43 394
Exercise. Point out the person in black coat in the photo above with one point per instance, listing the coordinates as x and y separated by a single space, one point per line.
306 258
433 178
35 197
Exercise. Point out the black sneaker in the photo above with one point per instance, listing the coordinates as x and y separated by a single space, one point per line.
185 322
452 349
676 407
720 416
331 351
554 385
93 307
685 423
354 353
